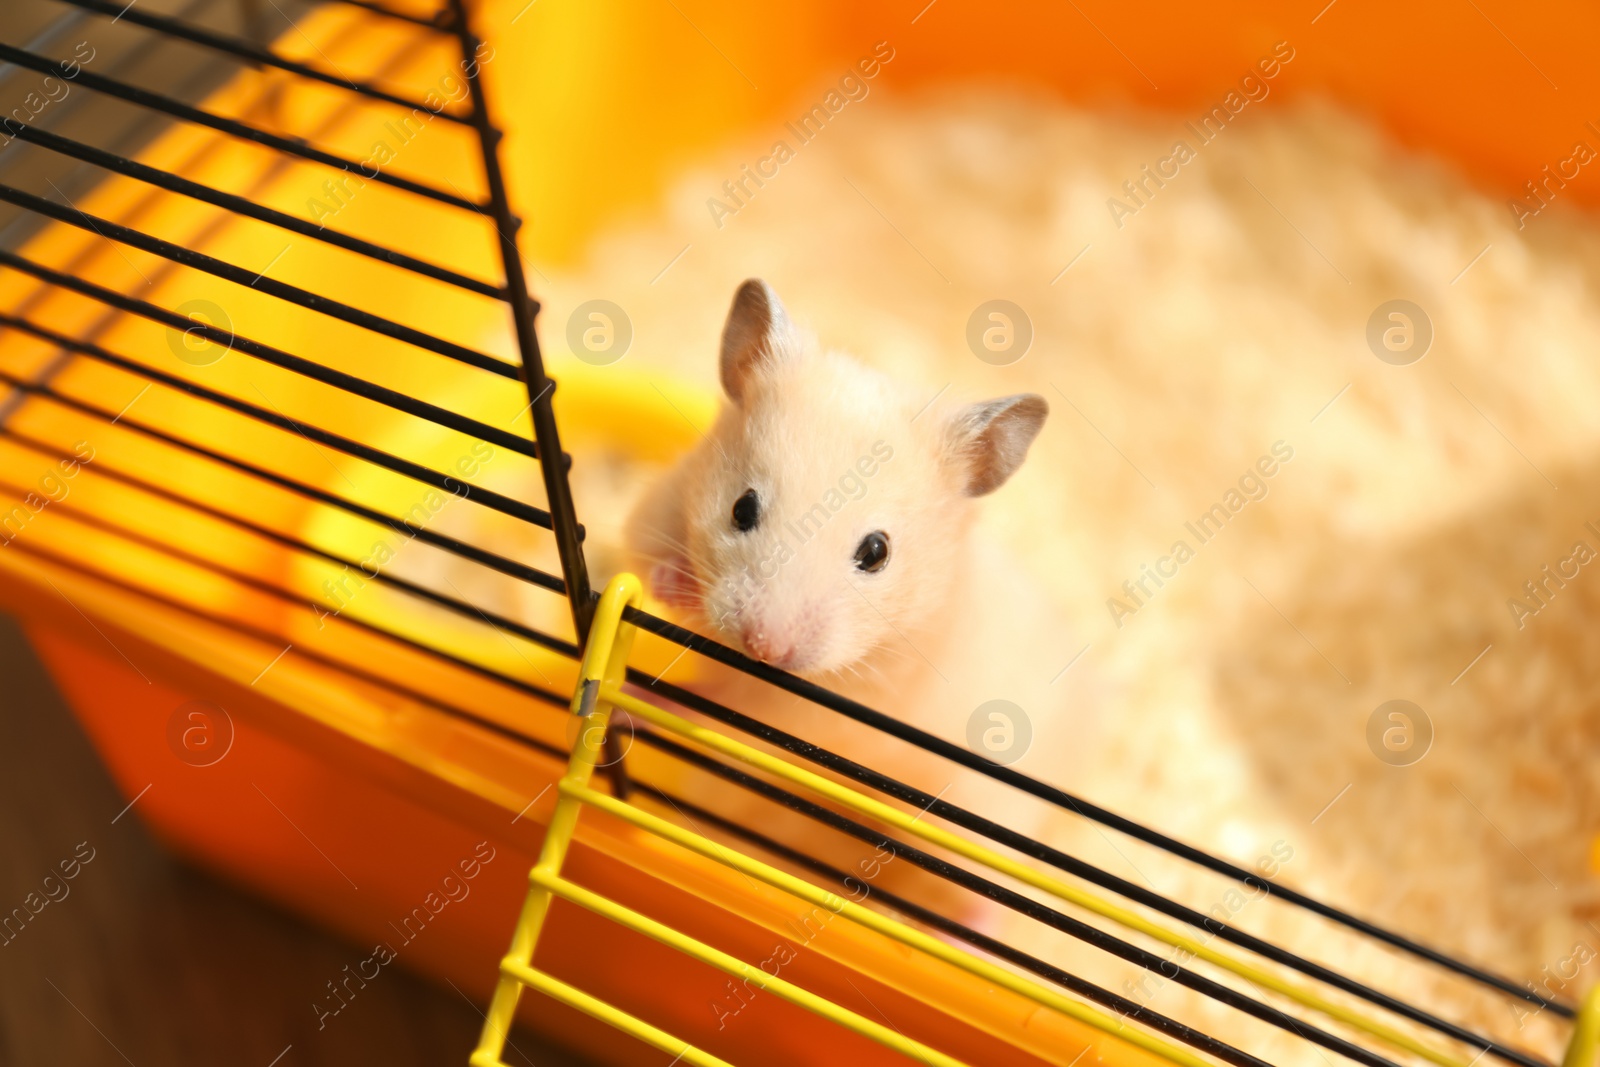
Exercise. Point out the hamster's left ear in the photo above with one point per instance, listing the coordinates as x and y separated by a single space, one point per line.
757 331
989 440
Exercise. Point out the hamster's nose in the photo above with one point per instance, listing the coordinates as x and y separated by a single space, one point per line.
767 646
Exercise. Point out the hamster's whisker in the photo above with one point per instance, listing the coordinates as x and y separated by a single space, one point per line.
670 541
674 563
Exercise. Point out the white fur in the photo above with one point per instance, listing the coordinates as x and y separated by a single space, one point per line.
835 451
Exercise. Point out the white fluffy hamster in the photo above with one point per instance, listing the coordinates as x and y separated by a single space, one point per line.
822 520
825 525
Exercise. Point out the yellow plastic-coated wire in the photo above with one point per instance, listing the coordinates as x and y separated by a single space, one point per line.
736 967
604 660
558 990
1585 1043
606 657
882 924
1022 872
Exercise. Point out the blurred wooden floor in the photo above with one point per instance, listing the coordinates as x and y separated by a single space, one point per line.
151 963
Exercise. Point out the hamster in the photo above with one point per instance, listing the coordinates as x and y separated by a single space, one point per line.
825 526
822 520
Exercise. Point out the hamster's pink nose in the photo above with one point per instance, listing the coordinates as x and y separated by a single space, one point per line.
768 646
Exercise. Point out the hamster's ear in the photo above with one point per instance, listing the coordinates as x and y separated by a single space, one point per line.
988 441
757 329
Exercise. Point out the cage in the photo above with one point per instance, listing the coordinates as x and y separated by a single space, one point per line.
248 348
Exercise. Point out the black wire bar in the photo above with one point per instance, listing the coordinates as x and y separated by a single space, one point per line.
291 294
232 127
240 206
249 50
128 137
455 604
376 456
58 30
927 916
308 368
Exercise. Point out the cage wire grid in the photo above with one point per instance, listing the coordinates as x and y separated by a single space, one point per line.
66 320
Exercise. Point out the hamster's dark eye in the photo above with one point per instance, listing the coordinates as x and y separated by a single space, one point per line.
873 552
746 511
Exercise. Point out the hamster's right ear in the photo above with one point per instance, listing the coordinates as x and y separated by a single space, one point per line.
757 330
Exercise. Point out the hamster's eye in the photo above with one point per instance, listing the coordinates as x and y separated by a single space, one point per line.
746 511
873 552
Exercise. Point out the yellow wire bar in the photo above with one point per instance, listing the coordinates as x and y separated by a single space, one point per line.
914 824
600 679
882 924
556 989
1585 1043
737 968
605 658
